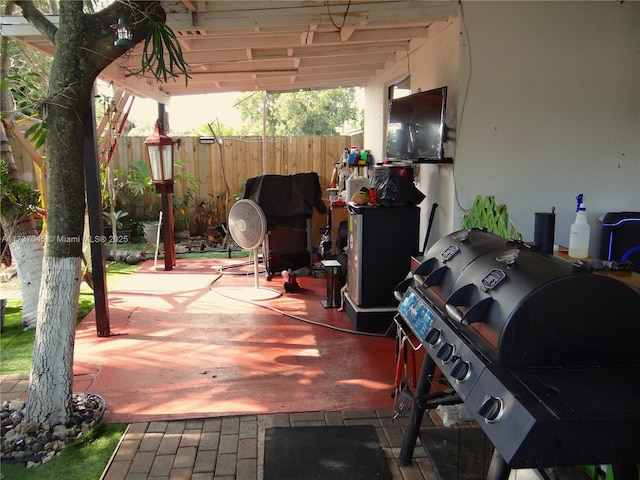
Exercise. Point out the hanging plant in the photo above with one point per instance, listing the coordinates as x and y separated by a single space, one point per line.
161 39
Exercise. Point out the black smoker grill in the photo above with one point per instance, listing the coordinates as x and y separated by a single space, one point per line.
545 357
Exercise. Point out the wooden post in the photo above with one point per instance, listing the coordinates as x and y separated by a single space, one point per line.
96 229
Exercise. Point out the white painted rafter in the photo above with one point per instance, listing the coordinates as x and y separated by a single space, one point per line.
274 45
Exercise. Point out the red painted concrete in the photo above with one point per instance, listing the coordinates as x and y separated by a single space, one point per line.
181 349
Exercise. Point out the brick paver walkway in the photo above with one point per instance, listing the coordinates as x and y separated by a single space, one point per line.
231 448
228 448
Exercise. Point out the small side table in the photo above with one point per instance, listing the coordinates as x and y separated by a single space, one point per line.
332 267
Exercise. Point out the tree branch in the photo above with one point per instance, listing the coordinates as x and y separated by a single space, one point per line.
98 27
38 20
97 38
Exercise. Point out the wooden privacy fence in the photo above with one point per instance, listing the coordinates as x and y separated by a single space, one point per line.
221 170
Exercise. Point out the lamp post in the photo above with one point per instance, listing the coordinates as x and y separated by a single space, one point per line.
160 158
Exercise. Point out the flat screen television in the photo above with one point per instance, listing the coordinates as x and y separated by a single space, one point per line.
416 128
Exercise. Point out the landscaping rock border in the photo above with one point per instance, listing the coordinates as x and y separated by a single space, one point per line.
34 444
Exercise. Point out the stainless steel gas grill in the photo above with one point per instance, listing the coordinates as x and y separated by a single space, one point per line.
545 356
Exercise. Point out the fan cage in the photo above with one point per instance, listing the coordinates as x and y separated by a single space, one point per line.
247 224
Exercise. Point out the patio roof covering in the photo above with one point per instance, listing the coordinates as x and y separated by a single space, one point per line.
274 46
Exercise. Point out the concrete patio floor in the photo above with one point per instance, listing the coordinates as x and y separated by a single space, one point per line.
187 344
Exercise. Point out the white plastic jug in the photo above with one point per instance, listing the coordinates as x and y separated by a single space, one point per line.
355 183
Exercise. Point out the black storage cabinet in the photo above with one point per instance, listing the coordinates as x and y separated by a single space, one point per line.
381 241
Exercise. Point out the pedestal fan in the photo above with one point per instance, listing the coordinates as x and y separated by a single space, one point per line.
248 226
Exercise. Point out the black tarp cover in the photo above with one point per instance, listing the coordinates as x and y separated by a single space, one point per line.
286 195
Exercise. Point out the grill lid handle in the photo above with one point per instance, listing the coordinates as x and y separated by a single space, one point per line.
435 277
425 267
454 312
472 315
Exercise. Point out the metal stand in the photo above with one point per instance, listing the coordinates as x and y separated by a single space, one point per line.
498 468
417 412
332 267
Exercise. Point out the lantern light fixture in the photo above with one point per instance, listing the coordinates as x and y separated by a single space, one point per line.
124 36
160 156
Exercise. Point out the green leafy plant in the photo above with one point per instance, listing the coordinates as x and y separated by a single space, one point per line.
486 213
134 189
37 133
161 44
180 174
138 180
117 216
27 88
180 218
16 196
181 205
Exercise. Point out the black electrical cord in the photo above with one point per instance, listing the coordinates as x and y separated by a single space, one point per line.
221 272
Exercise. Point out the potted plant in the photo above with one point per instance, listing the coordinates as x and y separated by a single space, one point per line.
121 194
121 234
137 188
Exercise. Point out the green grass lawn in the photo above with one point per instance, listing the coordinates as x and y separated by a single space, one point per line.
86 458
16 344
183 252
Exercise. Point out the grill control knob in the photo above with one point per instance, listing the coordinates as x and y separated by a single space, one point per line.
491 409
461 371
445 352
433 336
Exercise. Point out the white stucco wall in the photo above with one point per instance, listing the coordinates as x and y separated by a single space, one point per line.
432 64
552 109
